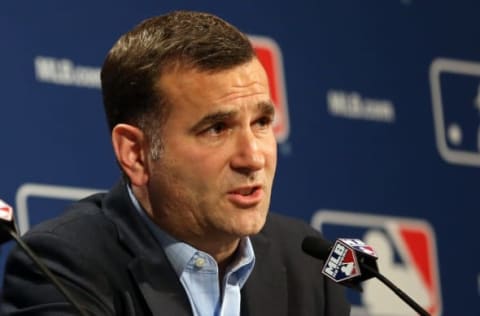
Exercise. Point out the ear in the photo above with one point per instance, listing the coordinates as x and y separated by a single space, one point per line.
129 144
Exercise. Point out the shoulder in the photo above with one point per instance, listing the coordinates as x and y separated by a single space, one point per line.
83 239
78 247
284 227
280 242
275 219
285 235
82 222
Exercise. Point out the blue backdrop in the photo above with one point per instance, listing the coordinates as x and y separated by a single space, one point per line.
379 136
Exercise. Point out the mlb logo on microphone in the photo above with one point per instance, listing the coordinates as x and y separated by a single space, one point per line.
342 263
407 254
6 211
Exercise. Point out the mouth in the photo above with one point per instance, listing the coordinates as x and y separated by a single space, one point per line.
245 197
245 191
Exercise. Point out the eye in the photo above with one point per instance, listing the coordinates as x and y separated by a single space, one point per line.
264 121
216 128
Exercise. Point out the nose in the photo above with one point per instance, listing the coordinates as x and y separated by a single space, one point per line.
248 155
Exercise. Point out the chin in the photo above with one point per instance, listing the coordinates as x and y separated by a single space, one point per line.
250 226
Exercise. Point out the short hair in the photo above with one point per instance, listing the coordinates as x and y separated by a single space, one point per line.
134 65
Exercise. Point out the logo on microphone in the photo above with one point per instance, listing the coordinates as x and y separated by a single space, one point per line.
407 254
6 211
342 263
359 246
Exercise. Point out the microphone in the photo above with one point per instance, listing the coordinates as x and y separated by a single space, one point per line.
350 262
8 230
343 260
6 218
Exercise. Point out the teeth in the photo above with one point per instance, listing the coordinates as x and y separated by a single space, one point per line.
246 191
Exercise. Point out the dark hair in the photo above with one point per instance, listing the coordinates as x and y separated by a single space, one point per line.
136 62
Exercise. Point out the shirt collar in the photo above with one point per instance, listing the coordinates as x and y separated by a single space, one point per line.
181 254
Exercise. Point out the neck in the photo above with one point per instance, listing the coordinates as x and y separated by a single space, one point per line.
220 246
223 253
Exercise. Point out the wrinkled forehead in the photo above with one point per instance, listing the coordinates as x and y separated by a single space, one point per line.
188 75
203 91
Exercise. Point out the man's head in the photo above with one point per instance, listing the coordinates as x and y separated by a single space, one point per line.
182 39
191 83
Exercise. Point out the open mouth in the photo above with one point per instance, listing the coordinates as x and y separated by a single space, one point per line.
246 191
246 196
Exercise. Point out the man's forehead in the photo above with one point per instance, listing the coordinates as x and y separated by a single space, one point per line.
265 107
177 69
194 85
226 114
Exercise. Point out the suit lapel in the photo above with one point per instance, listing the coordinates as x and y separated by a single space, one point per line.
265 292
160 287
156 280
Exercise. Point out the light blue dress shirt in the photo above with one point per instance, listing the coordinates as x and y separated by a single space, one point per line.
198 272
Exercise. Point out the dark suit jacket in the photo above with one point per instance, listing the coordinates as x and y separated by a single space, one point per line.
106 257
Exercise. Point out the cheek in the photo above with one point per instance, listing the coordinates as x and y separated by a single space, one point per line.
196 167
271 154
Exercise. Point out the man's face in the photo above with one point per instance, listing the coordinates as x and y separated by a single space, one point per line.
214 177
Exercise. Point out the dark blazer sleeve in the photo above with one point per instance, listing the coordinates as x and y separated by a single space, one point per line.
28 292
102 252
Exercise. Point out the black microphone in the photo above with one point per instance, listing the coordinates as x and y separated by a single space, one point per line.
350 262
8 230
343 259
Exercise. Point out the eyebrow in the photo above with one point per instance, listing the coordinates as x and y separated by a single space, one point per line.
266 108
213 118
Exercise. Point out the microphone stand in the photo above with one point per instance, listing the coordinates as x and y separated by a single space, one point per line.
44 269
407 299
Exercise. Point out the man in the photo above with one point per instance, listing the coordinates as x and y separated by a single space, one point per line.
186 232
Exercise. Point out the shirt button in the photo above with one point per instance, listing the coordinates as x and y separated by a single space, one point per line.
199 263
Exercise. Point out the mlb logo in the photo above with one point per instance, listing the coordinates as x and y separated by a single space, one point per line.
342 263
360 246
455 88
270 55
407 254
